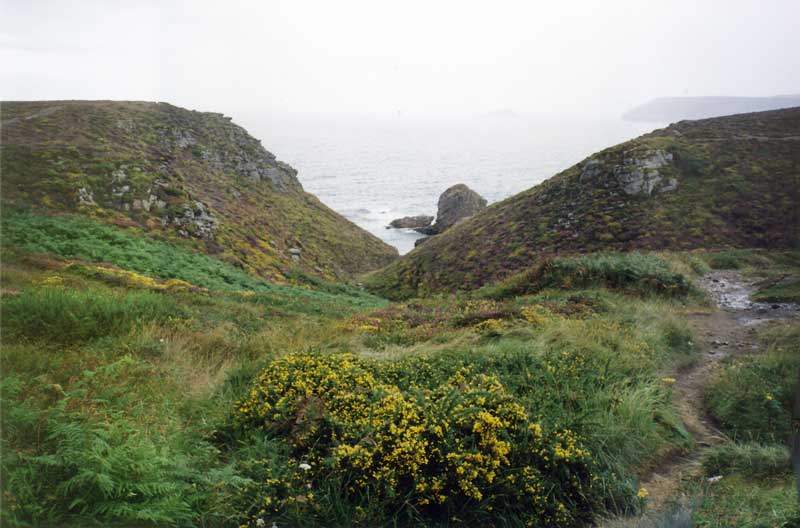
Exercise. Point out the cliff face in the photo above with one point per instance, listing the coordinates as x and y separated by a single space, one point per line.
723 182
191 177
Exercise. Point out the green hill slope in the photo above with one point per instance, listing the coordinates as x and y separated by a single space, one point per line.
723 182
188 177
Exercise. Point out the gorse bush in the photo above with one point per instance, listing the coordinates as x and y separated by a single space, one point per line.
632 272
465 448
62 315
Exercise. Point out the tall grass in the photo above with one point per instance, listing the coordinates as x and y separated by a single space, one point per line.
752 396
749 459
132 403
60 315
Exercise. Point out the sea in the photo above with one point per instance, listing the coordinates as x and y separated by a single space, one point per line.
372 170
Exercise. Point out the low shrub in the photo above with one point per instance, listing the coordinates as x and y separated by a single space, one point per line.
632 272
132 280
743 258
465 448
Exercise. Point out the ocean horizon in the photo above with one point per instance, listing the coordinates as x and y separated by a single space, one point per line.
372 170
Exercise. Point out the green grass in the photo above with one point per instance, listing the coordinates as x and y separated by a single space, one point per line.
785 290
111 389
735 502
752 396
65 316
76 237
633 272
751 460
154 397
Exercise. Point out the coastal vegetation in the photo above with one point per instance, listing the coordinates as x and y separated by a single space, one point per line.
724 183
194 179
156 378
125 402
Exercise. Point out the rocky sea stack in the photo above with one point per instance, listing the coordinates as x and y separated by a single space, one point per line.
455 204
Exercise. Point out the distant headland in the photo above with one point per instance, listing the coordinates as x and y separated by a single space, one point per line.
671 109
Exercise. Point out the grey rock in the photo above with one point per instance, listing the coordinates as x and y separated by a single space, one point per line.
640 174
455 204
118 175
671 186
591 170
126 124
86 196
150 202
196 216
412 222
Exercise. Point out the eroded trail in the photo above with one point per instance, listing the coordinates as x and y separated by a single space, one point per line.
729 328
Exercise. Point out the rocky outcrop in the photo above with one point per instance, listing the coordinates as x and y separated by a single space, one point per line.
455 204
170 171
640 174
196 220
412 222
723 182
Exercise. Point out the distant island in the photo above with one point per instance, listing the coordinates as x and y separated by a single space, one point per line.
671 109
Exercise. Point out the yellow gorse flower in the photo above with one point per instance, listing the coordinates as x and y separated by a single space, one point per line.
447 444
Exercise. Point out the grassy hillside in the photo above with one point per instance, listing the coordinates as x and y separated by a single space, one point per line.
191 178
723 182
147 384
157 374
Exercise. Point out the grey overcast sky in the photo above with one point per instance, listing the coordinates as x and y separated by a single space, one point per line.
375 57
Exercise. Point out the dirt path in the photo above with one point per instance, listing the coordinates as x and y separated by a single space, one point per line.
729 328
